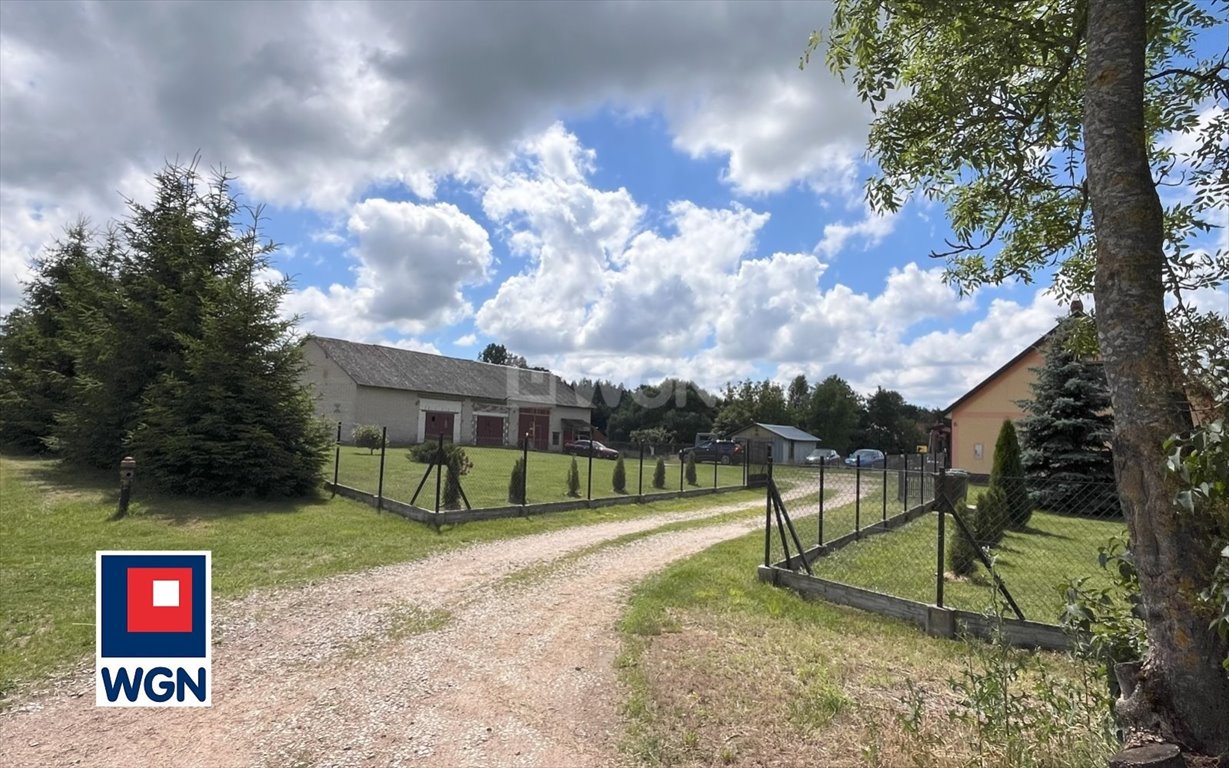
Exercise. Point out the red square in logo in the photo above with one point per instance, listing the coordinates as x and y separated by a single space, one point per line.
159 599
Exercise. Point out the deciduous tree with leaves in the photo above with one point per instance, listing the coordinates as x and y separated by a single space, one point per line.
1042 127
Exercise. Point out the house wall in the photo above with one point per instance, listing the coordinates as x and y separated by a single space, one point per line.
396 409
557 415
333 389
977 421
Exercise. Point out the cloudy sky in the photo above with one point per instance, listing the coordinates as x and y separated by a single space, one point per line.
623 190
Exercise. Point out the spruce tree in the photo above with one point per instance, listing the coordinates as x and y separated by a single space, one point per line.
1007 473
38 339
659 474
574 480
618 479
163 339
516 483
961 552
452 483
1066 455
690 471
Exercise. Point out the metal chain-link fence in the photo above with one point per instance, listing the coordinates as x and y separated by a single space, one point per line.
887 530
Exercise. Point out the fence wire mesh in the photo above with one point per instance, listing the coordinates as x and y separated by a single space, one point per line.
492 477
1037 535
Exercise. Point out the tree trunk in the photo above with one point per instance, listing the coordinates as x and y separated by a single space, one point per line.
1182 694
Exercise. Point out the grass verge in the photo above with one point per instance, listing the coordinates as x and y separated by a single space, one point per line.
721 669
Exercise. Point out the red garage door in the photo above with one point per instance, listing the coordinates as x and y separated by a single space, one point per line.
535 423
439 423
490 431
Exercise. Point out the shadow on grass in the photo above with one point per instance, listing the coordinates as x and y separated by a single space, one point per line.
1033 531
54 476
51 474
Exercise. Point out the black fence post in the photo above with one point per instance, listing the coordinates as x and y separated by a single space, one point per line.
640 484
681 463
885 492
380 486
716 463
589 480
525 472
905 474
821 503
746 454
767 515
439 470
337 458
857 497
941 506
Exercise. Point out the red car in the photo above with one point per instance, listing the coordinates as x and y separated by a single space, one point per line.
581 448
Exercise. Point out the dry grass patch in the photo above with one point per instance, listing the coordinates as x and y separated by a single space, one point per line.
734 691
724 670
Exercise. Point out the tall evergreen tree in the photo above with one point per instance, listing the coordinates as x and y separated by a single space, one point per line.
236 419
36 356
1007 473
1066 455
168 345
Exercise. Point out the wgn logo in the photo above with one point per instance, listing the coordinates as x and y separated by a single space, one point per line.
153 636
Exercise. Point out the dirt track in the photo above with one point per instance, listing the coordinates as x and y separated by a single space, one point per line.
449 661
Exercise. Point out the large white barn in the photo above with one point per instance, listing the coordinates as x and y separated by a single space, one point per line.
418 396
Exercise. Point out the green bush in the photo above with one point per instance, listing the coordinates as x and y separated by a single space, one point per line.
574 480
452 483
619 479
690 471
425 453
992 516
516 483
367 436
1008 474
659 474
961 554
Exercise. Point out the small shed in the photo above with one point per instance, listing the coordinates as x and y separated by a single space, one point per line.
789 445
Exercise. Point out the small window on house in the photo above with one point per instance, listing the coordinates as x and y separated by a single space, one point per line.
554 438
978 451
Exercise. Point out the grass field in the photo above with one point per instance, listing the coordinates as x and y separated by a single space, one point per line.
725 670
1032 563
486 484
52 521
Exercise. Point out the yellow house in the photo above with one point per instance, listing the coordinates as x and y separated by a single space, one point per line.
978 415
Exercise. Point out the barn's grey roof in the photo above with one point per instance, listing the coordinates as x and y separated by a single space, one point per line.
371 365
789 433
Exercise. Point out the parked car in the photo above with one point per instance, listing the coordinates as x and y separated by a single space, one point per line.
581 448
822 456
866 458
723 451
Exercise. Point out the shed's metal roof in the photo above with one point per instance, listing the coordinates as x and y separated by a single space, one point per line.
372 365
789 433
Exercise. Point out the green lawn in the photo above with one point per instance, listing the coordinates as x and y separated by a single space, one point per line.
486 485
1033 563
52 521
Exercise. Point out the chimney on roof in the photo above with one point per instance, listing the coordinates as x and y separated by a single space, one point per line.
1077 308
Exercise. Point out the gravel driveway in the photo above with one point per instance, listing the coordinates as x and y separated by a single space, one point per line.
449 661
